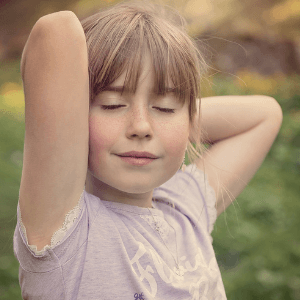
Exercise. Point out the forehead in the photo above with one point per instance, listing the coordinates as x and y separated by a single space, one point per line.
146 76
146 72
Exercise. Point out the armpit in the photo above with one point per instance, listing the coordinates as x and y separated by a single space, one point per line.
58 235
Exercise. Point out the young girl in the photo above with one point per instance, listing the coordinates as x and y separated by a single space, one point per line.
105 211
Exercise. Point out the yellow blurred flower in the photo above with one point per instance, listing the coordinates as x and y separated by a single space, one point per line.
257 83
283 11
12 100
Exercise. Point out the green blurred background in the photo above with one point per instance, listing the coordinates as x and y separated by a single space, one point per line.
253 47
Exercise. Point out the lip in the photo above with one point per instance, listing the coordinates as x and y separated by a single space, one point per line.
141 161
136 154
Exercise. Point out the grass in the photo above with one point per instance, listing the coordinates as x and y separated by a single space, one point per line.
256 240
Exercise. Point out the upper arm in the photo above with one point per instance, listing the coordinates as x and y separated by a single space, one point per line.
56 88
231 163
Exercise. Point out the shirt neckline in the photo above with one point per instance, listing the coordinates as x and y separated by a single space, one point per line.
133 208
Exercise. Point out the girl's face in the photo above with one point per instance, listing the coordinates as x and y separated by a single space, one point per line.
137 124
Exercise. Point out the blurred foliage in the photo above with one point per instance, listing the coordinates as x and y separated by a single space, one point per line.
276 18
11 159
256 239
232 16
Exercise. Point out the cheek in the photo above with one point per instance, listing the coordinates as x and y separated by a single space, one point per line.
101 136
175 138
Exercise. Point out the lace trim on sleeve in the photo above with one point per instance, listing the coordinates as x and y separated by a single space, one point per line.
58 235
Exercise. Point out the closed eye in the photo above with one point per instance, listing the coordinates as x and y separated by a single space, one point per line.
111 107
166 110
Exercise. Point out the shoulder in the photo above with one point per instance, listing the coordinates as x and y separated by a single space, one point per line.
192 194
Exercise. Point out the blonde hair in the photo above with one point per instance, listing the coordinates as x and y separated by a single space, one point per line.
118 36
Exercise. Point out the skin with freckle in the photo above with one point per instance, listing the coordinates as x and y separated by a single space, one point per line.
139 126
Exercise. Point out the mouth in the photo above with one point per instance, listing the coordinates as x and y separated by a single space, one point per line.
137 157
137 161
135 154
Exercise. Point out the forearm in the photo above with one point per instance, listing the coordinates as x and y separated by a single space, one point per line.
226 116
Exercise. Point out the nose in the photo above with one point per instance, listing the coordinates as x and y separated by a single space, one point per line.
139 123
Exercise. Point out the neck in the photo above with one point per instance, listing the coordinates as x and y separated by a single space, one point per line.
108 193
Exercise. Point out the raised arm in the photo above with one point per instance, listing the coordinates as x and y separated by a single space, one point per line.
56 84
241 131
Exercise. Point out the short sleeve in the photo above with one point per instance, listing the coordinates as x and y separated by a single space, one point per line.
58 235
191 193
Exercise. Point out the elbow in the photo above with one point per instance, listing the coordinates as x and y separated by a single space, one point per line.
274 113
58 16
59 22
276 110
272 108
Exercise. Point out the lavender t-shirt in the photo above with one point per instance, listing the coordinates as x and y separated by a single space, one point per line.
113 251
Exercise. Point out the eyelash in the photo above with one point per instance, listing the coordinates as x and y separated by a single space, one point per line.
111 107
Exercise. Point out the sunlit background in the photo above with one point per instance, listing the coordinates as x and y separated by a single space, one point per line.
252 47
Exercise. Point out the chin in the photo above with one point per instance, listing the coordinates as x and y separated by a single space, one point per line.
130 182
133 186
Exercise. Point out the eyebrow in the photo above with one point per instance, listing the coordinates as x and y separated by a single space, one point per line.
120 89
